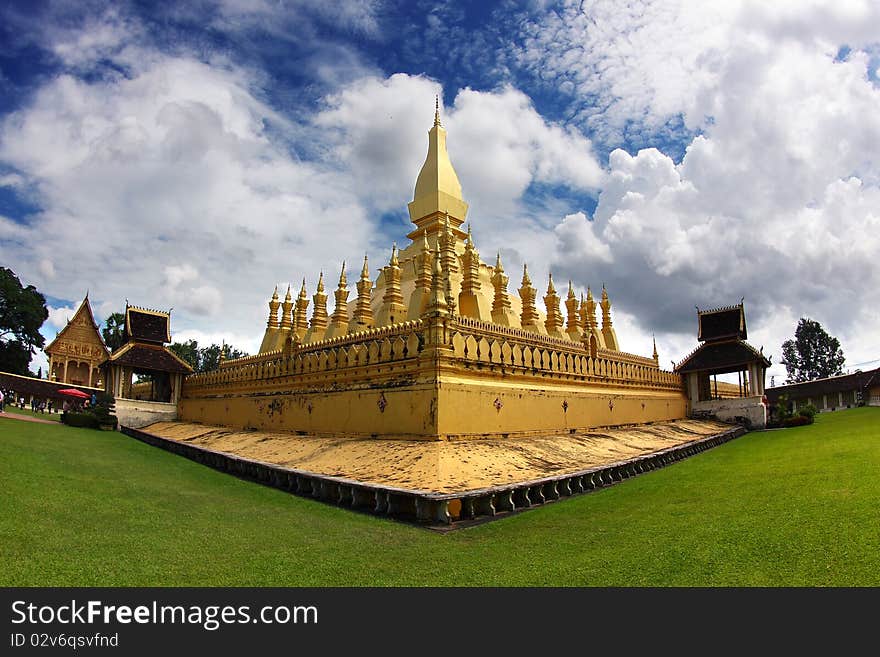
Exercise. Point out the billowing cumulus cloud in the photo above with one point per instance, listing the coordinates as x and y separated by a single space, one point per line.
776 200
698 153
146 178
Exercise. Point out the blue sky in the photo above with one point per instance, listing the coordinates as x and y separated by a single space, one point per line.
195 155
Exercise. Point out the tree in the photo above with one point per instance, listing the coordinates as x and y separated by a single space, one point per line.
211 356
813 354
203 359
188 351
113 330
22 313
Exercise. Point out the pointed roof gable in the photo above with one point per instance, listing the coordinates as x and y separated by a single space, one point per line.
722 324
82 318
146 325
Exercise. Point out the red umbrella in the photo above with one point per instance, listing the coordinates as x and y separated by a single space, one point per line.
73 392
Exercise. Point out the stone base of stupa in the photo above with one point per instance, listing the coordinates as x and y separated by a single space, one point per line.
444 482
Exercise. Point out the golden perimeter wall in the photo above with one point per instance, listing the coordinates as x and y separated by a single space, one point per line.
434 379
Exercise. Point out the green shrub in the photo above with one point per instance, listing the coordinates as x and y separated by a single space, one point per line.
797 421
808 411
86 420
89 419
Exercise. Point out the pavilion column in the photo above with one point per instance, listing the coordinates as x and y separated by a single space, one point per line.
66 363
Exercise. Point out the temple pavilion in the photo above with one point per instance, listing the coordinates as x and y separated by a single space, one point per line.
436 347
76 353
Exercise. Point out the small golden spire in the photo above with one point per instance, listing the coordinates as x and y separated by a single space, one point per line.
437 111
318 324
365 271
273 310
393 309
574 327
437 304
501 309
339 320
654 338
525 279
287 311
553 322
302 290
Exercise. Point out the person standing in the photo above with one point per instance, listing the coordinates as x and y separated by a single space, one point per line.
1 401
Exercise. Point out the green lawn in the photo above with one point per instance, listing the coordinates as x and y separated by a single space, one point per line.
28 412
791 507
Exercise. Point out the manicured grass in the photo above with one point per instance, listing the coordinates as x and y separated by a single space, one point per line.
790 507
29 413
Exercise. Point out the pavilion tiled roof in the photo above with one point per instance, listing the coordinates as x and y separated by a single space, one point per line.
147 325
720 357
27 385
149 357
722 324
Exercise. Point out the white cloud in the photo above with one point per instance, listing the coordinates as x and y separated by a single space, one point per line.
47 268
776 200
503 145
58 317
168 173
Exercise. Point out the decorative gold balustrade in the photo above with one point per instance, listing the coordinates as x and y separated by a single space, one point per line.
472 345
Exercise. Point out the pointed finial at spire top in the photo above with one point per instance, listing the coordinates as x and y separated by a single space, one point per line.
394 262
550 287
365 272
342 273
437 110
498 262
302 291
287 297
275 294
525 279
321 282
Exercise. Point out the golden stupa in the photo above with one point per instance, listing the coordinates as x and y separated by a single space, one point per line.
435 348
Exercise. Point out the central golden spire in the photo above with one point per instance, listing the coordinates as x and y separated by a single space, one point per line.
437 190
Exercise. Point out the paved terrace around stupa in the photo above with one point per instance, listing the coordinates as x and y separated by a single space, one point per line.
443 467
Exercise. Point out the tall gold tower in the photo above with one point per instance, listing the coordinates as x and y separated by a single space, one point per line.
435 347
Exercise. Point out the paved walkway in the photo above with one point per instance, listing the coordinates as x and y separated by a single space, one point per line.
443 466
26 418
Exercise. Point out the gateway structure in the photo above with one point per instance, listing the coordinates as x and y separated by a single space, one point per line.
436 347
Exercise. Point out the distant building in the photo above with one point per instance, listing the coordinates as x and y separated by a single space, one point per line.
76 353
832 393
143 352
725 351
